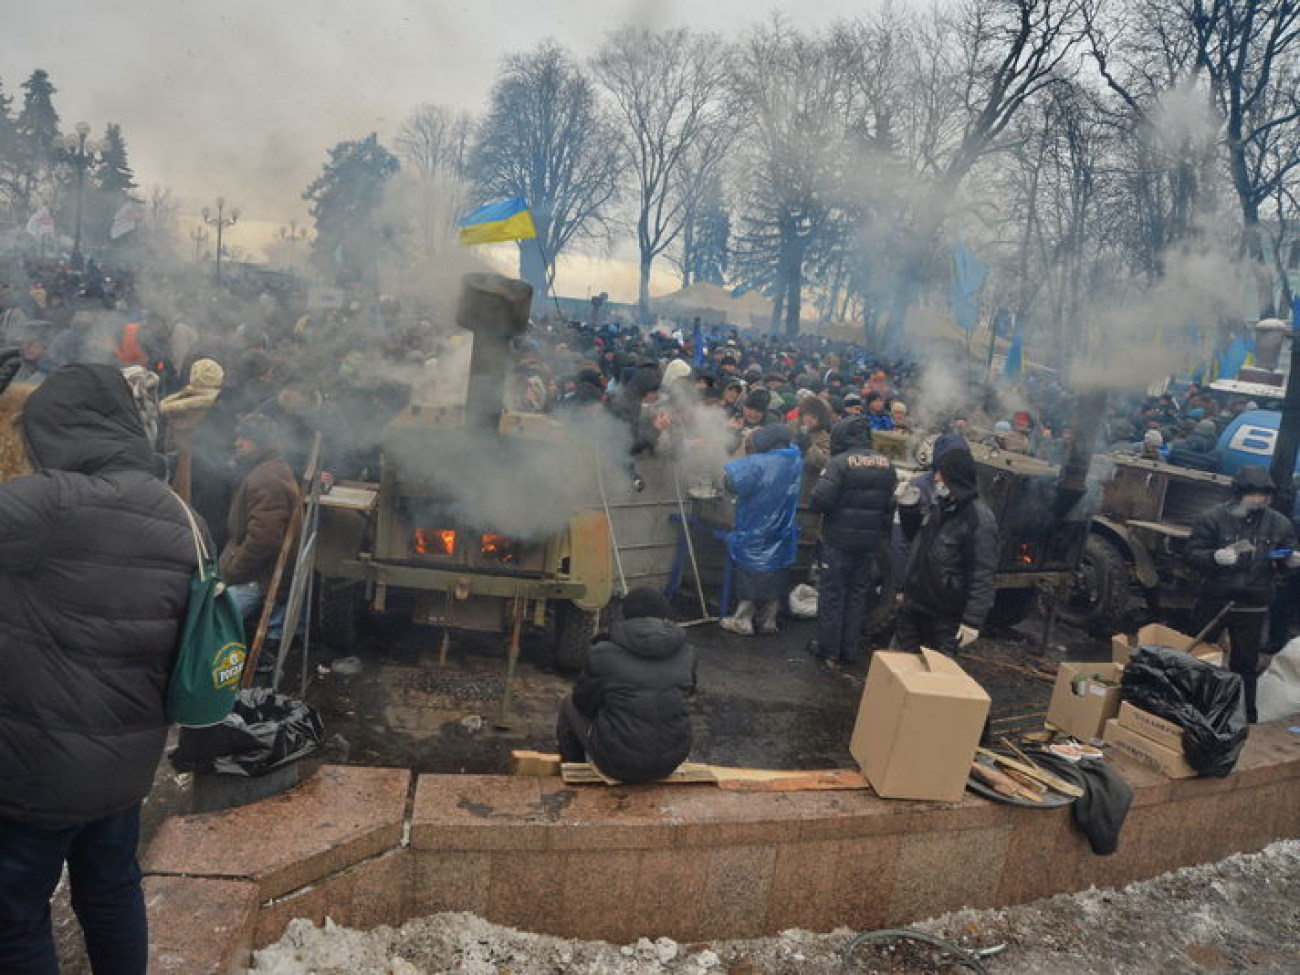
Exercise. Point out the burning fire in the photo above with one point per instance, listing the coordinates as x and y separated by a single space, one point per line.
499 547
1026 554
441 542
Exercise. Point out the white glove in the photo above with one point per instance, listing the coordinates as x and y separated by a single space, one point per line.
966 634
1226 555
1293 560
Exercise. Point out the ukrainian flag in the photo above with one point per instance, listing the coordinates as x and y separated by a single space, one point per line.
495 222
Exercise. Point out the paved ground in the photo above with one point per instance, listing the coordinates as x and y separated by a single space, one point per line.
762 701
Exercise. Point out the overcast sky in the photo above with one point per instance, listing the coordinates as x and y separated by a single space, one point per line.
241 98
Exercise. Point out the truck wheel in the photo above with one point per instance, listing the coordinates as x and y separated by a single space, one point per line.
1012 606
575 629
340 607
1098 597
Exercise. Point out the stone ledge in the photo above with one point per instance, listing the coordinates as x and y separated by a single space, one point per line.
200 927
339 816
690 862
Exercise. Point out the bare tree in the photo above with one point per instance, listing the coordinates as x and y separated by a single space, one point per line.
670 93
1244 56
432 192
546 139
974 69
435 140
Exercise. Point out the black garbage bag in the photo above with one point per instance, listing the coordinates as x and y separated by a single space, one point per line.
263 732
1207 702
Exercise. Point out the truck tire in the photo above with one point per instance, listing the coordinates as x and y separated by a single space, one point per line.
574 631
1098 599
1011 607
340 606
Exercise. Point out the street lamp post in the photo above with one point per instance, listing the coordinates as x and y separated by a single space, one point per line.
221 221
81 154
200 237
292 235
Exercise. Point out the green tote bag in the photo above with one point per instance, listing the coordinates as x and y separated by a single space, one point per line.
211 652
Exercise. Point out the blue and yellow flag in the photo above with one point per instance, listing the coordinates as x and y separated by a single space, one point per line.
495 222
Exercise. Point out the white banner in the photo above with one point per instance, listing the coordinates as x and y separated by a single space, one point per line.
41 224
125 220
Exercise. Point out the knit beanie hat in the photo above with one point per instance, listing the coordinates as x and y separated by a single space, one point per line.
958 469
646 602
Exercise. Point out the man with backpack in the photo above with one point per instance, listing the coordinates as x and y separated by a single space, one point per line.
96 557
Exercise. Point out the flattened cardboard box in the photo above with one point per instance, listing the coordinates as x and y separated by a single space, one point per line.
1142 750
1084 716
918 726
1159 730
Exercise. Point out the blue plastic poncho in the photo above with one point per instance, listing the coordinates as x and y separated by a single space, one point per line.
767 484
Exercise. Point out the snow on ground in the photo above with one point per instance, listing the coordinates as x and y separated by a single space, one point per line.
1240 914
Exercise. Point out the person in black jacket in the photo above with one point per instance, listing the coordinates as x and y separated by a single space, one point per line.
627 714
1196 451
1240 548
96 556
855 497
950 581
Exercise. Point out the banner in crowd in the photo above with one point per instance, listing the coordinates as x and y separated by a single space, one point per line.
41 224
125 220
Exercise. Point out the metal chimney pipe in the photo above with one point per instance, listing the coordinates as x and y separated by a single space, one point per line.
495 308
1089 412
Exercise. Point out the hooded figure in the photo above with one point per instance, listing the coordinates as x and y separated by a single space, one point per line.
1196 450
765 539
855 496
96 556
628 711
950 580
1241 548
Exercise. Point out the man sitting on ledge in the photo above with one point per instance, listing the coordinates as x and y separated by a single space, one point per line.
627 714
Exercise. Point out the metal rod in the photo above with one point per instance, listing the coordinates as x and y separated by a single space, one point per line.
505 719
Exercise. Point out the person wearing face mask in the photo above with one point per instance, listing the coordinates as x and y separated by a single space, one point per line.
949 583
1241 547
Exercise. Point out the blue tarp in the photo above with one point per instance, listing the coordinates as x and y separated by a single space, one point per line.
765 537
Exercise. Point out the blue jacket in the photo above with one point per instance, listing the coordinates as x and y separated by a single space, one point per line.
767 484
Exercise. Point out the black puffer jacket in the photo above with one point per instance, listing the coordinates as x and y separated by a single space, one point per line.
634 689
95 561
952 564
1250 581
855 493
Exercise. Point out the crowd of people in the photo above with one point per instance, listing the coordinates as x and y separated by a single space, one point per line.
121 409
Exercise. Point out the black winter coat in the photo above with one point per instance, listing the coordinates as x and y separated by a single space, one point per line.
952 563
855 496
95 562
1250 581
633 689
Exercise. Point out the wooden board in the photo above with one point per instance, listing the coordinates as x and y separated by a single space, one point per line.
525 762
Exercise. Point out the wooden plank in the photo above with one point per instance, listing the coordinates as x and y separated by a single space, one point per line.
1047 778
525 762
734 779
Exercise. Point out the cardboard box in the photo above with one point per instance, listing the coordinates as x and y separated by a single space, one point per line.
1153 634
1162 732
1084 716
1142 750
918 726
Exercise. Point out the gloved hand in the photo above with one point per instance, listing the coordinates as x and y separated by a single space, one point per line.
1226 556
1293 560
966 635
